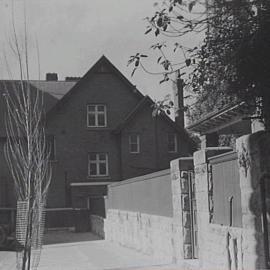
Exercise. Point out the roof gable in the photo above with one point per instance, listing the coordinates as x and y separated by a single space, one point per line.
103 65
147 101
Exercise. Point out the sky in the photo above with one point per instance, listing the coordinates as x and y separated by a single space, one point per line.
73 34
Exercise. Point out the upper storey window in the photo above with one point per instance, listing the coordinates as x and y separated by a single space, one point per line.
134 143
96 115
172 143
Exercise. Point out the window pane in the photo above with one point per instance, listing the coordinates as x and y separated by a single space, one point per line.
102 156
102 169
133 138
134 148
93 169
101 120
91 108
101 108
91 120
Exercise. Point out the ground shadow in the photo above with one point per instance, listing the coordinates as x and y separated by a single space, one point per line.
66 236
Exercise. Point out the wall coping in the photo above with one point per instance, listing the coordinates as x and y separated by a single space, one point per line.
232 155
202 156
141 178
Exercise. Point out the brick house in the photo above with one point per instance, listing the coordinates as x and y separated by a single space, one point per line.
102 130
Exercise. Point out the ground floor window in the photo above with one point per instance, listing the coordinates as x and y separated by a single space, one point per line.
98 164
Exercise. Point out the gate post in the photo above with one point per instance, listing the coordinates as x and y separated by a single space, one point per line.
181 207
204 204
254 162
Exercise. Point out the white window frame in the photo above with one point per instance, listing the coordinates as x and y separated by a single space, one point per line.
137 143
96 113
175 142
97 161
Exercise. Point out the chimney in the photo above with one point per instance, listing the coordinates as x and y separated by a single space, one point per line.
72 79
179 101
51 77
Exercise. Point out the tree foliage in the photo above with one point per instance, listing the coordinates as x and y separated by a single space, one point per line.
233 60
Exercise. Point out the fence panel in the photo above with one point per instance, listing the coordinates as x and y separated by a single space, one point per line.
226 190
149 194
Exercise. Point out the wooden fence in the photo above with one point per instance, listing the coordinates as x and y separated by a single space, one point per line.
226 193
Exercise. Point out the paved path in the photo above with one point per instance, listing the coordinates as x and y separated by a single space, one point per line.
87 255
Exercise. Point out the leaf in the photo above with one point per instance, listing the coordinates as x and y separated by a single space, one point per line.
159 59
191 5
165 27
160 22
157 32
143 55
133 72
137 62
188 62
180 17
162 81
168 112
170 8
148 31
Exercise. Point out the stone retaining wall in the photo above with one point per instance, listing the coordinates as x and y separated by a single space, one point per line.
225 247
149 234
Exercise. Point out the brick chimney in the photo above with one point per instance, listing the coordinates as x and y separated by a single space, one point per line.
72 79
51 77
178 90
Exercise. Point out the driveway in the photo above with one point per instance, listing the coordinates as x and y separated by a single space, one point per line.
87 253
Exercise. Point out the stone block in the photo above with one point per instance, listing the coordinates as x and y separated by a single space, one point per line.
184 185
186 235
176 190
175 165
187 251
199 157
185 202
186 219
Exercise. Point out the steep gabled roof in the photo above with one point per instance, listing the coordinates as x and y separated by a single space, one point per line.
11 86
147 101
55 88
102 65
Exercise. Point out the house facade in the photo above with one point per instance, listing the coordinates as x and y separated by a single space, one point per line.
102 130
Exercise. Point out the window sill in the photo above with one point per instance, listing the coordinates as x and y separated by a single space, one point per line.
98 177
98 128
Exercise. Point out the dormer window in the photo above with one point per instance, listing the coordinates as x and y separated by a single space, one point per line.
96 115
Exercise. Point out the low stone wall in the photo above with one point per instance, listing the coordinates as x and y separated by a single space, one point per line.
225 247
150 234
97 225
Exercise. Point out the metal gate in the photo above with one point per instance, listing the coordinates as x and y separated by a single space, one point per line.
193 214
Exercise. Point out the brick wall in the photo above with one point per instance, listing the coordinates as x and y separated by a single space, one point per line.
73 140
